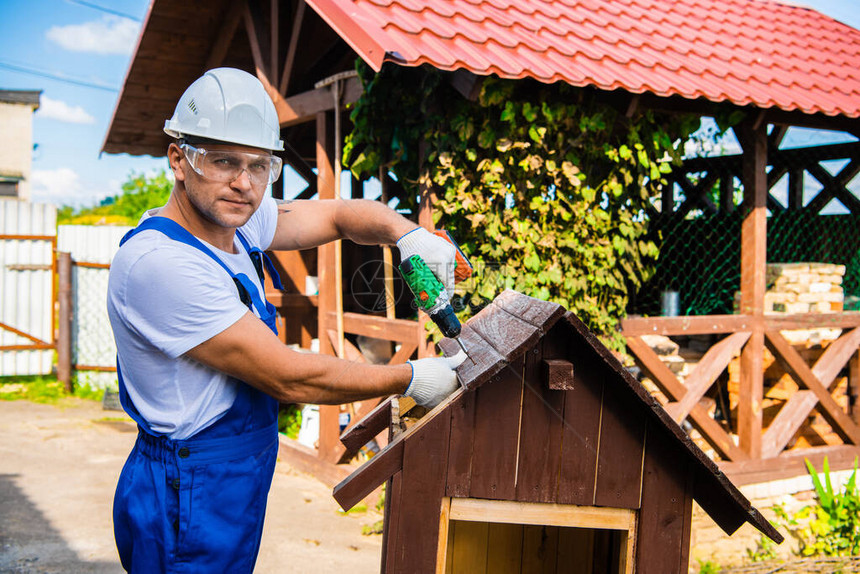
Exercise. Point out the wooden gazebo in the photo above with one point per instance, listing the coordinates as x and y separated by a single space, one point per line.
780 65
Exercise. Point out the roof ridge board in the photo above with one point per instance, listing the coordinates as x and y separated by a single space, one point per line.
663 417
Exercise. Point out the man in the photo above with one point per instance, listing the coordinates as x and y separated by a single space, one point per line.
200 367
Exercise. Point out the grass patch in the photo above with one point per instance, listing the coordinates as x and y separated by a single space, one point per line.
43 389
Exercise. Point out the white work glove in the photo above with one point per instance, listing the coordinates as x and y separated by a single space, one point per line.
439 255
434 379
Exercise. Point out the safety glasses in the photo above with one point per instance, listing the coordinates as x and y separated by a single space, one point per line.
227 166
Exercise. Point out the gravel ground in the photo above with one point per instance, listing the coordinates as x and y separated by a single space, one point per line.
58 468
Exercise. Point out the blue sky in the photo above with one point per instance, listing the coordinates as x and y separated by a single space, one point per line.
77 52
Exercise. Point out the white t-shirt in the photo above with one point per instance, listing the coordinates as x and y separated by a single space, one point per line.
166 297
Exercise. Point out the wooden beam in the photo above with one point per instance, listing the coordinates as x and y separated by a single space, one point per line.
845 320
710 429
225 35
389 460
789 464
548 514
254 41
298 19
792 415
304 107
753 266
795 366
687 325
374 326
274 27
706 372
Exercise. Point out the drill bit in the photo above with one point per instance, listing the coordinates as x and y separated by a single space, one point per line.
462 346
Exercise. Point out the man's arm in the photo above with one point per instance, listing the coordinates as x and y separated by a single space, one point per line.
249 351
303 224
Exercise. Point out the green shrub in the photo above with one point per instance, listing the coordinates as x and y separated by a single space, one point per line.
546 187
831 526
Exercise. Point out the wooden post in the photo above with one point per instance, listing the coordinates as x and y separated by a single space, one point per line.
753 139
64 328
327 302
387 258
425 220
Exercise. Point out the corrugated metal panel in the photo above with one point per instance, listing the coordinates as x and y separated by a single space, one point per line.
26 284
769 54
92 338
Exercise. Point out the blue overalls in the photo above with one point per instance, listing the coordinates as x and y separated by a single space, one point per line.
197 505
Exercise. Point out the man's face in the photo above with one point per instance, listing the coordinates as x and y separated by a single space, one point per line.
224 203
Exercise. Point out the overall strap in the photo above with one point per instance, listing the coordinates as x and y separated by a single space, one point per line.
259 258
248 292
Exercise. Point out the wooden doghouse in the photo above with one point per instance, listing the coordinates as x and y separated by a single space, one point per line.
551 458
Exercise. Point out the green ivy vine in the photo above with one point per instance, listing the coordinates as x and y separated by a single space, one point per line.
544 186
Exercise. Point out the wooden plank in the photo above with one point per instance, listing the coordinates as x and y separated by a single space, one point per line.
784 426
540 549
575 551
662 515
845 320
224 37
371 474
686 325
298 18
536 513
425 453
835 356
789 464
497 418
303 107
470 547
541 427
581 429
362 482
403 354
364 429
795 366
619 458
460 449
710 429
706 372
506 333
558 374
485 362
504 548
793 414
542 314
750 395
374 326
391 528
445 533
305 459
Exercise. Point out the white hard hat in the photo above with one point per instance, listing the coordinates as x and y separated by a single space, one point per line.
228 105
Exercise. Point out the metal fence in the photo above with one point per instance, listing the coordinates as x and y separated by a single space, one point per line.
93 350
27 294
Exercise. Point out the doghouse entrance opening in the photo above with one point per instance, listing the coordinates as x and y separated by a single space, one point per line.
503 537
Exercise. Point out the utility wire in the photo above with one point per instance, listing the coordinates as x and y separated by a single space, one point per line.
53 76
103 9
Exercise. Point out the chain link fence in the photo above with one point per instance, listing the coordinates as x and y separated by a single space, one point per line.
813 217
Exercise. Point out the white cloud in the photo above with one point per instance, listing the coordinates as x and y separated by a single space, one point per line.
63 186
110 35
60 110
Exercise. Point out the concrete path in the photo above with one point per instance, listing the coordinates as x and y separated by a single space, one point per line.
58 469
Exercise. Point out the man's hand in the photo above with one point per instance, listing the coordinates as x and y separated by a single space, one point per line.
439 255
434 379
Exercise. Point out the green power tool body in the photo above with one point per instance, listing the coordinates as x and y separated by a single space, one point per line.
430 293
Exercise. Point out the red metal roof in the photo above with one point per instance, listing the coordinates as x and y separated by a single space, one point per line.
756 52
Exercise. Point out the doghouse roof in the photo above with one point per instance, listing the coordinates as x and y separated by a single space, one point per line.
501 334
